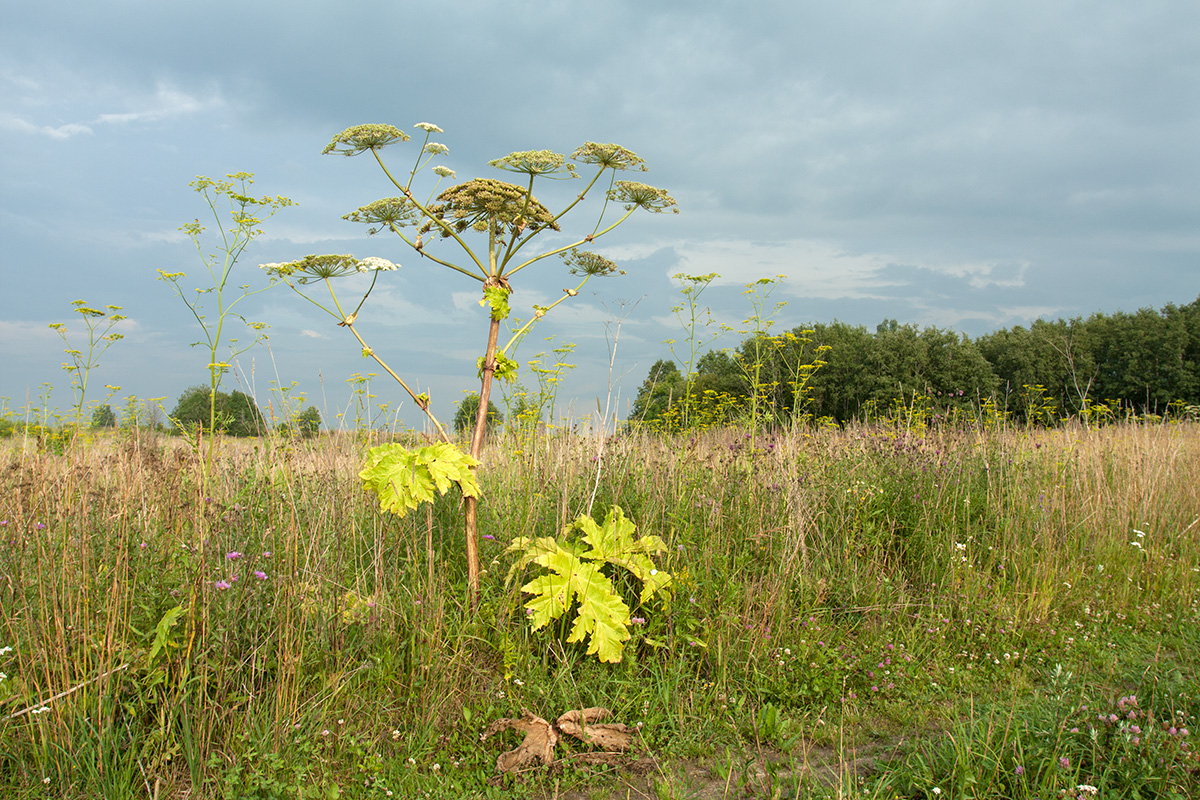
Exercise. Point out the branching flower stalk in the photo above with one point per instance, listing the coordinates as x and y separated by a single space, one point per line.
237 226
244 216
692 317
508 215
325 268
100 337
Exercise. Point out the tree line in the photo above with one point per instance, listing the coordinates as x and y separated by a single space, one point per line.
1139 363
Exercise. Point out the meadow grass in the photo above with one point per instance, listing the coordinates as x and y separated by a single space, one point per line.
867 612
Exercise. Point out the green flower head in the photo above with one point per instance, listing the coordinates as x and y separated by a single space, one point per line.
639 195
362 138
608 156
535 162
582 262
390 212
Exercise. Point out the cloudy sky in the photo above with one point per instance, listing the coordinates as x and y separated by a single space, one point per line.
966 165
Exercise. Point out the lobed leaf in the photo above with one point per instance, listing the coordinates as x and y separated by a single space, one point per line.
402 479
603 615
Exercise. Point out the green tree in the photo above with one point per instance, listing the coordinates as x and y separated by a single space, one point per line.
305 424
663 387
1141 358
468 412
104 417
236 413
308 423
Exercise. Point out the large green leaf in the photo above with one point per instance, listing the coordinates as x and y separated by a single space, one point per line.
402 479
614 543
603 615
575 580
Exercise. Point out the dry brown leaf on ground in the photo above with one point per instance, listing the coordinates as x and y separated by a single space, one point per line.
541 736
538 747
613 737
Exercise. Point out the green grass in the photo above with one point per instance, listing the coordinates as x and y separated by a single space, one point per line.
875 612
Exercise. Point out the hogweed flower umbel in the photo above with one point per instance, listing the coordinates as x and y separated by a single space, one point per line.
610 156
640 195
536 162
324 267
361 138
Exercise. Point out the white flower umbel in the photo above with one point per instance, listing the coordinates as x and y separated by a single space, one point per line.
443 172
428 127
376 264
436 149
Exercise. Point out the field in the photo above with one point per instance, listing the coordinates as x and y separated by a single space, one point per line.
862 612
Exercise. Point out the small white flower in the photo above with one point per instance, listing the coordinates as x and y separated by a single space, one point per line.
375 264
4 650
428 127
436 149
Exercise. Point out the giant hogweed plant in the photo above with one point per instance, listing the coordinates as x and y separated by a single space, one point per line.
481 230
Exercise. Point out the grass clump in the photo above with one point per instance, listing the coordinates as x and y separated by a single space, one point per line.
873 611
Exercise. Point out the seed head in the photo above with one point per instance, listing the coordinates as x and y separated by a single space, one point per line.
474 203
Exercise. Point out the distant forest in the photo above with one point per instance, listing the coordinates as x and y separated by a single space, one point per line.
1145 362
